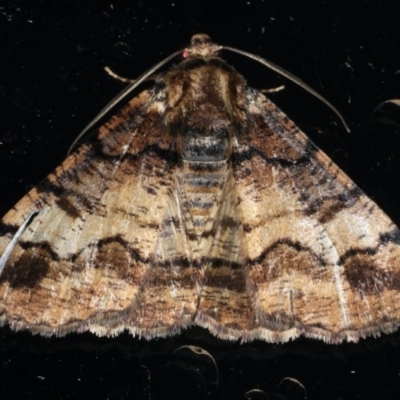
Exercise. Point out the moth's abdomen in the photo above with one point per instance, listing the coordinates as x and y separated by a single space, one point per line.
205 161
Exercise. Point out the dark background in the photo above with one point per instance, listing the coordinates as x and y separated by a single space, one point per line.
52 84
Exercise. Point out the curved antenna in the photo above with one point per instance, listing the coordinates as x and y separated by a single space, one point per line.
289 76
120 96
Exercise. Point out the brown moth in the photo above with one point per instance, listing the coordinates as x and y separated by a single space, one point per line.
200 203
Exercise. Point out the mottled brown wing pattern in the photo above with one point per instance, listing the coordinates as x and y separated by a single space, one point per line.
108 226
313 255
200 203
321 258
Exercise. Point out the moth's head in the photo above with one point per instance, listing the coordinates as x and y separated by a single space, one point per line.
201 46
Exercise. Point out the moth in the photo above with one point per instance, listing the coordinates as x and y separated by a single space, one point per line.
200 203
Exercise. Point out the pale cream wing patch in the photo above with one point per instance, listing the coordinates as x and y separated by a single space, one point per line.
321 258
102 236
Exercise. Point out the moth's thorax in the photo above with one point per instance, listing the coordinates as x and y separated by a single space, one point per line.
204 94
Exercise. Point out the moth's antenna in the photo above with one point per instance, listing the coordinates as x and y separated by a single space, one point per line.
121 96
288 75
